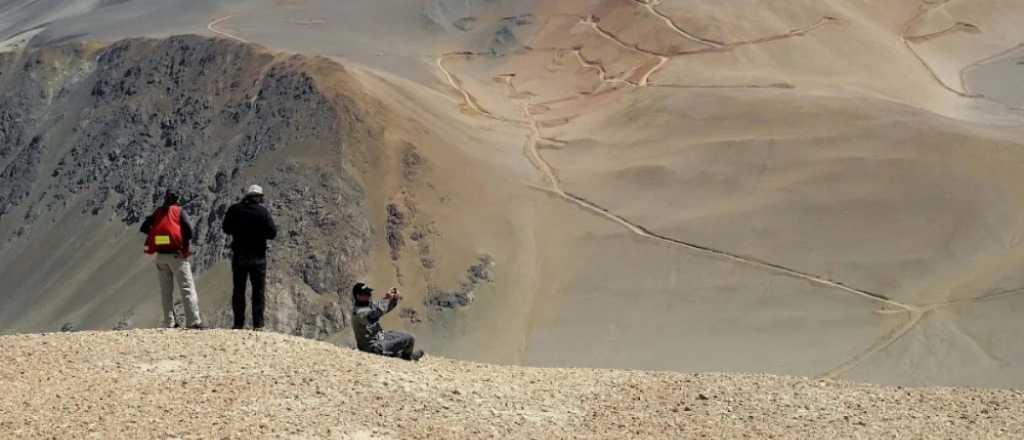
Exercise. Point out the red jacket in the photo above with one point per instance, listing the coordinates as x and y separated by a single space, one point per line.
168 231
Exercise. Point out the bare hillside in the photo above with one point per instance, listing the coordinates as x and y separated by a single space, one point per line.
821 188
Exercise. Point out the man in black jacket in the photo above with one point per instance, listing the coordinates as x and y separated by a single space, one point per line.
250 225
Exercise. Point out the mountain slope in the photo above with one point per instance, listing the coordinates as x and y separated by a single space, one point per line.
91 138
793 187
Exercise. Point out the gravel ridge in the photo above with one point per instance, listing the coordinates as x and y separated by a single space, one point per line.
173 384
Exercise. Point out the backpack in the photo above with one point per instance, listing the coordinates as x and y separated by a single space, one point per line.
165 232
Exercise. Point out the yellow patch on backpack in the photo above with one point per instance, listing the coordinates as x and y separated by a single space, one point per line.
162 240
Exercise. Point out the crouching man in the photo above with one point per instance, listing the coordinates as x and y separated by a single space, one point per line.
370 337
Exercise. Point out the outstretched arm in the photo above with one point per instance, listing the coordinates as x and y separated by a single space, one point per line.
387 305
381 307
376 310
390 300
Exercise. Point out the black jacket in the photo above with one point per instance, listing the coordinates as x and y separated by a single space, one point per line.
250 225
366 323
186 227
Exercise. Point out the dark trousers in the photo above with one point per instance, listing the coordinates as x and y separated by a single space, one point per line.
397 344
255 271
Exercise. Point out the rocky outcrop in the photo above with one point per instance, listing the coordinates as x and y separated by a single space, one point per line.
477 275
105 130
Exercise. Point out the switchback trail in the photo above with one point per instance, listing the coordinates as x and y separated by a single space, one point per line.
959 26
645 80
913 314
664 58
602 73
726 86
535 137
918 313
923 9
469 103
650 5
594 22
212 27
977 299
556 188
880 344
799 32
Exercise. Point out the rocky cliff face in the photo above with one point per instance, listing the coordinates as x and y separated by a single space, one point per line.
93 135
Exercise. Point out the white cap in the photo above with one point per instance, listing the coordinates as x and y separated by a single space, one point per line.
253 190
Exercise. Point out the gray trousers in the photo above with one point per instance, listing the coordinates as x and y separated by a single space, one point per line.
397 344
170 267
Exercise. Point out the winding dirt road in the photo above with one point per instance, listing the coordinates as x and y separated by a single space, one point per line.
959 26
469 102
798 32
602 72
923 9
912 314
212 26
719 47
650 6
725 86
664 58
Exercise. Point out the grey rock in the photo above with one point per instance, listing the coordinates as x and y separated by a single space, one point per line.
109 129
476 275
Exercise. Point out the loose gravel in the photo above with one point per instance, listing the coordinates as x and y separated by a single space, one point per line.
166 384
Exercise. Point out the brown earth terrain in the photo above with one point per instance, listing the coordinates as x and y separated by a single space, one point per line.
816 188
826 189
236 384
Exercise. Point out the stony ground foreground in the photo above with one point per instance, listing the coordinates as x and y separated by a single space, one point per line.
223 384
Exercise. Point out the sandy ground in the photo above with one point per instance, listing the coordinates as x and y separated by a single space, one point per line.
222 384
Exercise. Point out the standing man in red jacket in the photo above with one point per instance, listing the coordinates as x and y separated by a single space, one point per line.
250 226
169 234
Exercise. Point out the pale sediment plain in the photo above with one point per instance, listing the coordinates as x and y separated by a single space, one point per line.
808 187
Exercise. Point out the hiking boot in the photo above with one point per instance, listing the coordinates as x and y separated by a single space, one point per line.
416 355
258 329
199 326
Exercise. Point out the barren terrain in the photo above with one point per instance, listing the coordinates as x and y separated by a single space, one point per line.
229 384
822 188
